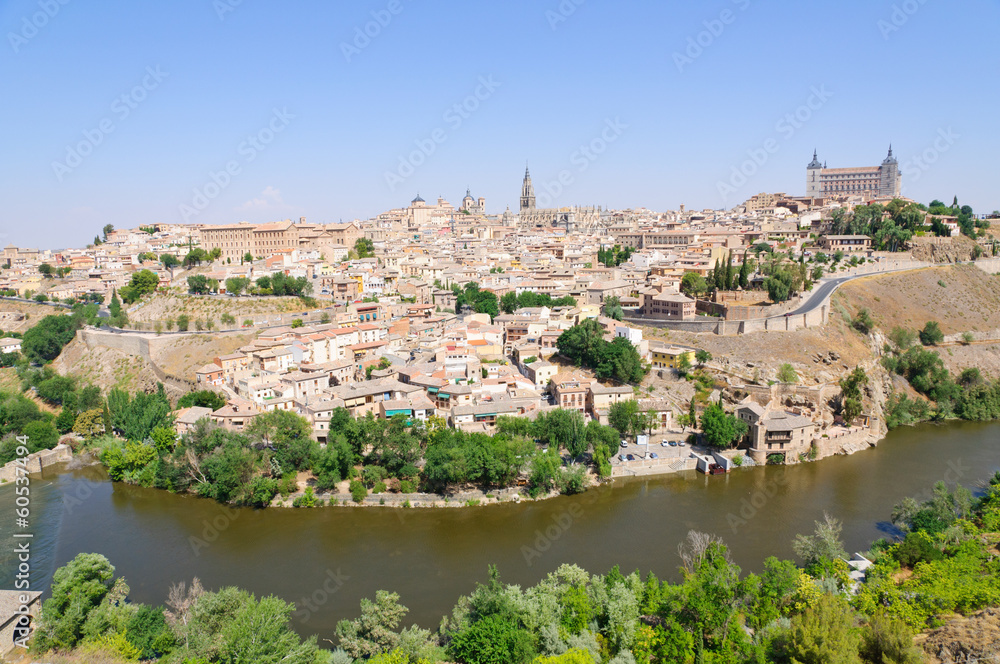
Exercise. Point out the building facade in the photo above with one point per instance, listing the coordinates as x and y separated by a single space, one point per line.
869 182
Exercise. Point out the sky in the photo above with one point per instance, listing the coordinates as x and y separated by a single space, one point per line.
218 111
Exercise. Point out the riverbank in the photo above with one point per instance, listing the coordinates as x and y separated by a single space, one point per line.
431 556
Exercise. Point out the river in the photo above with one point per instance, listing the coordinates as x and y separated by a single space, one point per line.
336 556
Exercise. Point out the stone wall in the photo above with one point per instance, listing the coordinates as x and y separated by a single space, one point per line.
37 462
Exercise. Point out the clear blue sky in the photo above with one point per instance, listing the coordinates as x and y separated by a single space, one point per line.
560 83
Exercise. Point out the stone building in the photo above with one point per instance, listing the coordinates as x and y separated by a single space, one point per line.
869 182
573 218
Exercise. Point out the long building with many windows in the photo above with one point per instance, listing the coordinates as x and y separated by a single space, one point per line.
869 182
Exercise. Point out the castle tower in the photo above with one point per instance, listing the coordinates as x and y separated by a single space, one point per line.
814 188
527 192
890 183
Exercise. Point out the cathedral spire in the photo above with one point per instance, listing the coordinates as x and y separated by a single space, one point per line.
527 191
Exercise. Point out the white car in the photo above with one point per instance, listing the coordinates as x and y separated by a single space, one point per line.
624 444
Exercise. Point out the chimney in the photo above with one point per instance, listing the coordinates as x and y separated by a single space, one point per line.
302 220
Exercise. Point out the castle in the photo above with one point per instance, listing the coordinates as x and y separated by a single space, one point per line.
868 182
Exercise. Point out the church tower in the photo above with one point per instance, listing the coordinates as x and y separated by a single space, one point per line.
889 180
527 192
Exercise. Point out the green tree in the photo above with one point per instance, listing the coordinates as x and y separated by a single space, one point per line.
77 589
624 416
823 544
721 429
888 640
45 341
141 284
693 284
703 357
183 321
825 634
202 399
169 261
850 388
931 335
787 374
375 631
613 308
198 285
288 435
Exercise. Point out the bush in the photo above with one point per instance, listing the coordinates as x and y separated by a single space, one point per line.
358 491
863 322
931 334
406 486
308 499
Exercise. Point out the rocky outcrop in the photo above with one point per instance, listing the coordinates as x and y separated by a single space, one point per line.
965 640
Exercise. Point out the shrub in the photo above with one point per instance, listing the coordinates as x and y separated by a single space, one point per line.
406 486
358 491
931 334
308 499
863 322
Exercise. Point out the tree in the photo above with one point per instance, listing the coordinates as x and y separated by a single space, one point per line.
889 640
45 341
721 429
703 357
693 284
850 388
824 544
77 589
508 303
236 285
46 270
863 322
288 435
183 321
787 374
297 323
825 634
169 261
89 423
931 335
624 416
374 631
142 283
202 399
108 230
198 285
613 308
364 248
779 285
744 278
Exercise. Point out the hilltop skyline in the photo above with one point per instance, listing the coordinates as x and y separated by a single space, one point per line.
289 114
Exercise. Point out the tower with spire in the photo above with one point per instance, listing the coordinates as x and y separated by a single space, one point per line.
813 172
527 192
889 179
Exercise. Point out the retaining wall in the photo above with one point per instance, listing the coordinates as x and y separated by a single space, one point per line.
37 462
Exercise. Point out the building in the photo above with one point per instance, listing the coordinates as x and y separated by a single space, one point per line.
869 182
571 218
670 358
668 306
776 432
849 244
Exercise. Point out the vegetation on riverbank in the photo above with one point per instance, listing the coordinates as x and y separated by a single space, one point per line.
250 468
942 562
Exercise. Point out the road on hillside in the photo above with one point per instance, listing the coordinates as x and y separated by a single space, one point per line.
818 296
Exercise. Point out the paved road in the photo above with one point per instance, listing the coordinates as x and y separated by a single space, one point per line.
826 288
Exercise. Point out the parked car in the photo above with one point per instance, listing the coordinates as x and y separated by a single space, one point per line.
630 457
653 455
673 443
621 457
624 444
682 444
665 444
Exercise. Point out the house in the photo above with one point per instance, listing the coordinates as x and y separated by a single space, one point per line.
572 394
664 357
235 415
210 374
540 373
849 244
781 433
187 418
601 398
668 306
10 345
